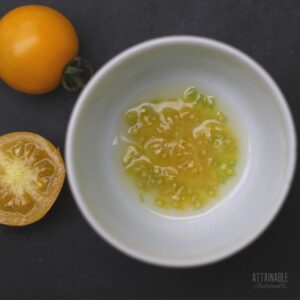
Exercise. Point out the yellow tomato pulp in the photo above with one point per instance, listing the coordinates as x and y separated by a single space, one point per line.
182 150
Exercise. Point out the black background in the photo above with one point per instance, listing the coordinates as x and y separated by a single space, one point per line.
60 256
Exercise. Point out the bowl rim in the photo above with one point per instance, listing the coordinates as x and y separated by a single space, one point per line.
148 45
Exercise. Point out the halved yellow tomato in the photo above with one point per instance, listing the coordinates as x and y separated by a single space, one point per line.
32 173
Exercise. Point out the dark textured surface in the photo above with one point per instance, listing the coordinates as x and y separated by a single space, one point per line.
60 256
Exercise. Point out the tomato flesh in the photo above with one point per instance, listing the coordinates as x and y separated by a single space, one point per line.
31 176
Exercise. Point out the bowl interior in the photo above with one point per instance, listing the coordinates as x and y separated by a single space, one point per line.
248 96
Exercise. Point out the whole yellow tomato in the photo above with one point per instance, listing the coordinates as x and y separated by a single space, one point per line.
36 43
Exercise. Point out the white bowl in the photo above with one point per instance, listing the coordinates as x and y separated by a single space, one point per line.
250 96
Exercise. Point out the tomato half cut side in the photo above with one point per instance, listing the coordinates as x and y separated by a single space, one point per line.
32 173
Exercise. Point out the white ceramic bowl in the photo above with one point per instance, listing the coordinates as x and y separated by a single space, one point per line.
254 101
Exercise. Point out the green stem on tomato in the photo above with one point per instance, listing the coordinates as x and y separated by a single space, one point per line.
76 74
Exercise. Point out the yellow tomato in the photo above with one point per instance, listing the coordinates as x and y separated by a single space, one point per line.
32 173
36 43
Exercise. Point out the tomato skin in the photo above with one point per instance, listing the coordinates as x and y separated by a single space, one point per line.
36 43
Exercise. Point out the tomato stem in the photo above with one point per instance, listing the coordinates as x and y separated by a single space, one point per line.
76 74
